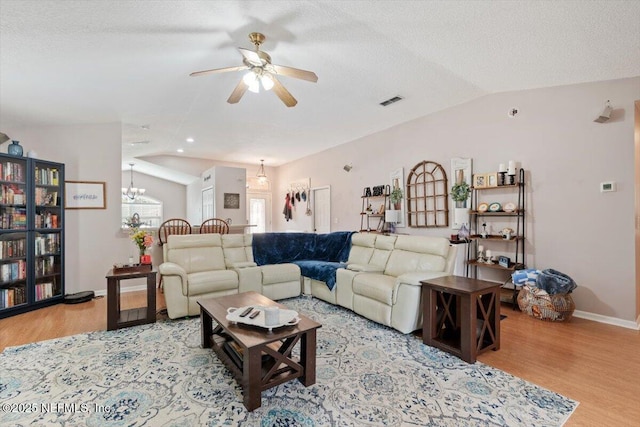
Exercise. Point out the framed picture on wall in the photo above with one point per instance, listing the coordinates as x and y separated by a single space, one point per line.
84 195
480 180
231 200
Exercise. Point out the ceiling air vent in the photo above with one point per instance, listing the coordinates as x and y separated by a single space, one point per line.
390 101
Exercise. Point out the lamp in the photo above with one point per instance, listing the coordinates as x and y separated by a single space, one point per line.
262 177
132 192
606 113
256 76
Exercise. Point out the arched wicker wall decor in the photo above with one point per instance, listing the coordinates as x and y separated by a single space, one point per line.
427 196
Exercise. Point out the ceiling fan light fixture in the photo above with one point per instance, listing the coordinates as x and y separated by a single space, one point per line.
267 81
251 80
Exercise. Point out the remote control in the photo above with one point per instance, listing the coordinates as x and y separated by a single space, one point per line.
247 311
254 314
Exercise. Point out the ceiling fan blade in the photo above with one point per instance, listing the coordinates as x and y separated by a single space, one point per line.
218 70
283 93
237 93
251 57
295 72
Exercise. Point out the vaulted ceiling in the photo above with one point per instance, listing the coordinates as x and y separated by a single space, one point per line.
70 62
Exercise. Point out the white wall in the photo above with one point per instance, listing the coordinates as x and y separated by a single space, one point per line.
93 240
571 226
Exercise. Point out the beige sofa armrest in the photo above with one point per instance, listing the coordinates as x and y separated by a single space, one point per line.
173 269
366 268
414 278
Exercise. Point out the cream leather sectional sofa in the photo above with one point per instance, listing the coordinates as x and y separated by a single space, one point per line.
380 280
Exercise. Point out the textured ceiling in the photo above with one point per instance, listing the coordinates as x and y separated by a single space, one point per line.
68 62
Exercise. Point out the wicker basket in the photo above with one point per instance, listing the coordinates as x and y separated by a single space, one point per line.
539 304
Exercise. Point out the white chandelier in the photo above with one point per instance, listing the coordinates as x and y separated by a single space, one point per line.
132 192
262 177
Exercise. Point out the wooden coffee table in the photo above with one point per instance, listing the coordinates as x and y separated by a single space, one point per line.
265 357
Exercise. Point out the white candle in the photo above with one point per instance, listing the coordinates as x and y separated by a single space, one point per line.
480 248
502 168
512 167
488 253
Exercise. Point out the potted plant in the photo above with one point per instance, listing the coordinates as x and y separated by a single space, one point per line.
460 193
396 197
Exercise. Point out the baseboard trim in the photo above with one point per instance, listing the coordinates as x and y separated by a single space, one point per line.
629 324
103 292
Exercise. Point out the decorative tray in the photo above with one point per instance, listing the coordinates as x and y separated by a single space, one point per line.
131 268
287 317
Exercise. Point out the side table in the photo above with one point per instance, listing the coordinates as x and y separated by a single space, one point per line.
461 315
116 318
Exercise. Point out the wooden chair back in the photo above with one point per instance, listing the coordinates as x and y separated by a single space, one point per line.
173 226
214 225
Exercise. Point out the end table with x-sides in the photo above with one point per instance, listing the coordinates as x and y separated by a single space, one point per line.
264 358
461 315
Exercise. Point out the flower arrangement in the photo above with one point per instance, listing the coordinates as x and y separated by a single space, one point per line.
142 239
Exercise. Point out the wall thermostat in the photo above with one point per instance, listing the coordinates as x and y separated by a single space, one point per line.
607 186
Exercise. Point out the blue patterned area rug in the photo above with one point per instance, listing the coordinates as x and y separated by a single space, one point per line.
367 375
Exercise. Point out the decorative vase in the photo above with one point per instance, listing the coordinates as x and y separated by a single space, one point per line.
144 258
15 149
460 217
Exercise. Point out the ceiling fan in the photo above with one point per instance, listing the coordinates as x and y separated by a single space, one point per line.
261 72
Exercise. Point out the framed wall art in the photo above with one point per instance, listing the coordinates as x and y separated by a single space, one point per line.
85 195
480 180
492 179
231 200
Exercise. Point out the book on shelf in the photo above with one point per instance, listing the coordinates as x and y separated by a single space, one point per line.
11 171
10 297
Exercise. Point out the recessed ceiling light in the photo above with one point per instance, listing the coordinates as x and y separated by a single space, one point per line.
145 127
190 139
180 150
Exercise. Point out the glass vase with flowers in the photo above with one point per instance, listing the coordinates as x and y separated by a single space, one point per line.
143 241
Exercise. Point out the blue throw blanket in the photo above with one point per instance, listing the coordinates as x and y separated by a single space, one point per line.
325 271
317 255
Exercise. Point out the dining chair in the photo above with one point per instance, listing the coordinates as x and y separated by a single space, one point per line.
214 225
167 228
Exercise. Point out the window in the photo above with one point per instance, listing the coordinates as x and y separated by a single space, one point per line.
148 209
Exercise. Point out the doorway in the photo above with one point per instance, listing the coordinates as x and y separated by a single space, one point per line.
259 212
321 201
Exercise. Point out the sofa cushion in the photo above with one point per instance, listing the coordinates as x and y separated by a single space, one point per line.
237 249
362 245
383 248
196 252
417 253
378 287
278 273
211 281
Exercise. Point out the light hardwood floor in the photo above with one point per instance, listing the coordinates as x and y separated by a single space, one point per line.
593 363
